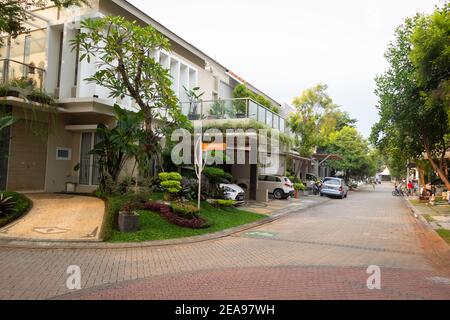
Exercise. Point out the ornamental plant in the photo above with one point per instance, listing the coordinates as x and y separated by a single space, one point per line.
299 186
170 183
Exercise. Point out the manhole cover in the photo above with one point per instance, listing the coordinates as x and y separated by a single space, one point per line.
258 234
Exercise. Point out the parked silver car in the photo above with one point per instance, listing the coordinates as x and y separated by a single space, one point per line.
334 187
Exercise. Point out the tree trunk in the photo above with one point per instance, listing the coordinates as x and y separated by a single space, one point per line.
440 171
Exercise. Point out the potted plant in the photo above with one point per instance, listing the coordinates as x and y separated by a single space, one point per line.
128 219
297 187
217 110
194 97
19 86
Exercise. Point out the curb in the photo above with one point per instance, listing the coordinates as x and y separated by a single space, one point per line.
38 244
418 215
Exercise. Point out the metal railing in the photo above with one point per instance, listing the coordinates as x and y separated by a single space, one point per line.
240 108
21 75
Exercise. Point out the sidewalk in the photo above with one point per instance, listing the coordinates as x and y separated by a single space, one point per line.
436 217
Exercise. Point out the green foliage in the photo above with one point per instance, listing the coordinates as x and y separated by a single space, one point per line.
12 206
241 91
165 176
116 145
6 205
251 124
413 93
216 175
124 48
312 120
354 150
171 186
40 97
170 182
154 227
222 203
6 121
299 186
185 210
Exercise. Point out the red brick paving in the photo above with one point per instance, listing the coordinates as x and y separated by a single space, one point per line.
277 283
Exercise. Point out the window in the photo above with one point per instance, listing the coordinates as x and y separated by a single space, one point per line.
273 179
262 178
89 170
63 154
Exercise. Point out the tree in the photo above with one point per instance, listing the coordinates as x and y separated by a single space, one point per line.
15 13
116 146
354 150
123 50
413 93
306 122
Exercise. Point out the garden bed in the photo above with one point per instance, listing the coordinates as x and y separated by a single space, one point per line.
21 206
153 226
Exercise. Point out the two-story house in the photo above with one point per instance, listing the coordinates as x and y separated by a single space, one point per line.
40 151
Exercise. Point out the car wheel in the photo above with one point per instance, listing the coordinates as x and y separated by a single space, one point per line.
321 194
278 194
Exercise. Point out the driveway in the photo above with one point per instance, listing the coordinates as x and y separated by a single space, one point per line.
318 253
59 217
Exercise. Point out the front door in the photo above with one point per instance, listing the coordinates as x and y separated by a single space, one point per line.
89 169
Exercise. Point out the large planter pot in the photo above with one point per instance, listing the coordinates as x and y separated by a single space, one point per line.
128 222
296 194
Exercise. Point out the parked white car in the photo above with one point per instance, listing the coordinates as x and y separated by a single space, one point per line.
279 186
233 192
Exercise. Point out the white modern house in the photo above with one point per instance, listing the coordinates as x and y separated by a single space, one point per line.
47 143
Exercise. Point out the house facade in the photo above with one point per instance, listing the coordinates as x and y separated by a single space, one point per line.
42 150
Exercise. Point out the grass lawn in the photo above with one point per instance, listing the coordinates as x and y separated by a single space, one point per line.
21 205
154 227
445 234
428 217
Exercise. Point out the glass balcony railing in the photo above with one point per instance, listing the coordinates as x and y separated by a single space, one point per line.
233 109
20 75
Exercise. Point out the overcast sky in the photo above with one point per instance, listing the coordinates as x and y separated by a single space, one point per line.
285 46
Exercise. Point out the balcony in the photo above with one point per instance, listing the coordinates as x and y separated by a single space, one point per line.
231 109
19 75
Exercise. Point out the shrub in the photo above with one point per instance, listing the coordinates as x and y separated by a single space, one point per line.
299 186
216 174
221 203
40 97
7 205
170 183
21 204
166 176
185 210
3 90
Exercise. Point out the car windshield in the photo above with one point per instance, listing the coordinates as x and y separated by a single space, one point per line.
333 182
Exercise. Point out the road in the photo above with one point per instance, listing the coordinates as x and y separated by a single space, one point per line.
318 253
